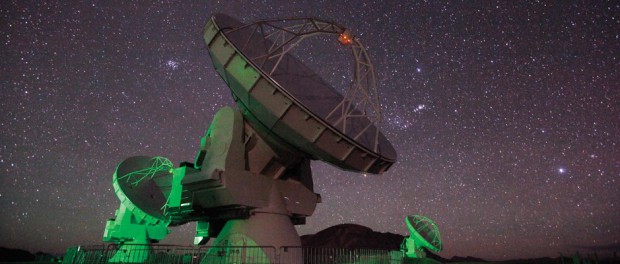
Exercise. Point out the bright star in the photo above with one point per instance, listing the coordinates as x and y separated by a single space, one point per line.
561 170
419 108
172 64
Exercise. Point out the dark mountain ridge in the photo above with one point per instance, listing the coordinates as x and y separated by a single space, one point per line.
352 236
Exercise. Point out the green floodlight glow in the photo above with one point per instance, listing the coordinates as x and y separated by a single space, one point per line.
423 234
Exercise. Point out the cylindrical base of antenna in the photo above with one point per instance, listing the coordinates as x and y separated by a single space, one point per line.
264 229
254 240
258 239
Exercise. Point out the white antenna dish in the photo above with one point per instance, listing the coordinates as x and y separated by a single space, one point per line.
287 103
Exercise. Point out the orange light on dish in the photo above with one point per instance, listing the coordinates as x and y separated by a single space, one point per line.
345 37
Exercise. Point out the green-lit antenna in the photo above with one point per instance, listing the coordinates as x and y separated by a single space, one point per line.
423 234
140 219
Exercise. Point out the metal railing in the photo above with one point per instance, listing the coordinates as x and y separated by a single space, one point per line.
335 256
156 254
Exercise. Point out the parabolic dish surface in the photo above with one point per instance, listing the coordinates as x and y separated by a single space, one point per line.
290 103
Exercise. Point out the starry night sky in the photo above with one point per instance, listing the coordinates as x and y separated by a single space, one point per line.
505 116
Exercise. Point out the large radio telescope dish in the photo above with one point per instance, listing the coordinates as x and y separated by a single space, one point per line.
294 108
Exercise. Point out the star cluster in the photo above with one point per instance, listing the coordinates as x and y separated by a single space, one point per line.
505 116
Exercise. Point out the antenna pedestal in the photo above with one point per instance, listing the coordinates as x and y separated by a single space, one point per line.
258 238
132 235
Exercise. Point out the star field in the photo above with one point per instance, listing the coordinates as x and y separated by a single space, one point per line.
505 116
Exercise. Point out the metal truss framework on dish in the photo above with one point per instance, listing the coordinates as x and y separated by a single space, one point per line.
360 100
292 106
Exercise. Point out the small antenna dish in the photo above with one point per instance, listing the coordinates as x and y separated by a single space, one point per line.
423 234
135 185
139 183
